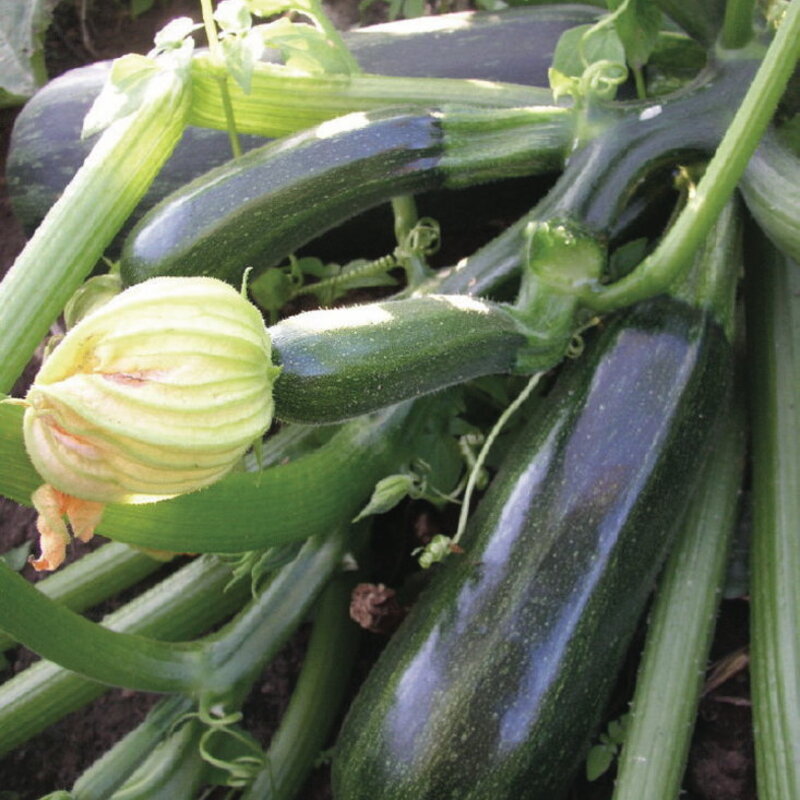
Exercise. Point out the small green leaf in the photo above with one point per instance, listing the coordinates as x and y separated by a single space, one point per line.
562 85
22 32
269 8
583 45
616 731
242 53
233 16
17 557
304 47
272 290
637 24
173 35
123 92
387 494
598 761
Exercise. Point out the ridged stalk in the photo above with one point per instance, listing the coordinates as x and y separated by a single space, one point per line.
219 519
133 661
680 630
77 229
180 607
315 701
773 292
94 578
117 764
281 103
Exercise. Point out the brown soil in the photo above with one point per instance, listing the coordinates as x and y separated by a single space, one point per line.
721 762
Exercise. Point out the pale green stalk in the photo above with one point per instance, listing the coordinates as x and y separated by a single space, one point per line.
773 294
80 225
680 630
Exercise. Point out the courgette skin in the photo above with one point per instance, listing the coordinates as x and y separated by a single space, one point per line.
256 210
493 684
514 45
340 363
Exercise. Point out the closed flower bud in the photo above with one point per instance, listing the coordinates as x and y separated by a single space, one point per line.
158 392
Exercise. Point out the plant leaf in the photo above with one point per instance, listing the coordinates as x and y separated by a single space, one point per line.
387 494
17 557
637 25
122 93
583 45
241 56
21 53
233 16
599 760
304 47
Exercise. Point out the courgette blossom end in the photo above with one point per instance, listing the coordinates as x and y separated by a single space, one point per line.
157 393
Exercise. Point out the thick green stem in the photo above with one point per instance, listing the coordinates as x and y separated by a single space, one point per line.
315 701
680 630
674 253
281 103
138 662
220 519
61 635
109 772
94 578
222 77
77 229
174 770
773 294
254 637
184 605
737 27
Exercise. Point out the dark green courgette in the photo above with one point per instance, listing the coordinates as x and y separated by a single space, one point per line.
514 45
493 685
344 362
256 210
771 188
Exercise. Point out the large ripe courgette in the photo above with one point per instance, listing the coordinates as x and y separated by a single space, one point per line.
514 45
494 683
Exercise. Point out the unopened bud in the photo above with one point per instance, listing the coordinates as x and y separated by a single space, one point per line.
156 393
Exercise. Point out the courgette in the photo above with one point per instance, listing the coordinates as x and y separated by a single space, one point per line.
256 210
494 683
514 45
340 363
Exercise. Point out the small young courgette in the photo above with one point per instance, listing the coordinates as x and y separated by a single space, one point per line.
493 685
340 363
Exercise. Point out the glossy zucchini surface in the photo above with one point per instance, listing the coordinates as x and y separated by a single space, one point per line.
493 685
340 363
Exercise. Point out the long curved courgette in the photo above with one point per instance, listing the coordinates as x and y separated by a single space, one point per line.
494 683
256 210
